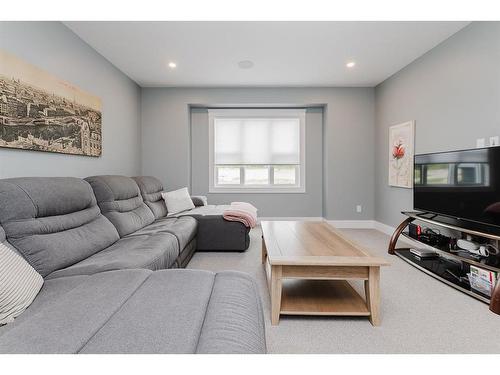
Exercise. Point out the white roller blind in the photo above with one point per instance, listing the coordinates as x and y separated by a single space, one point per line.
257 140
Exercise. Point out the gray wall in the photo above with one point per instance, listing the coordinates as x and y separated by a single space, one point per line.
348 148
53 47
309 203
453 93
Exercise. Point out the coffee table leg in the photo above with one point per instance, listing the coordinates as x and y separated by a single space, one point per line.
275 292
372 291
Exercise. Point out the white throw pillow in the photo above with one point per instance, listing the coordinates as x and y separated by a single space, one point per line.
177 201
19 284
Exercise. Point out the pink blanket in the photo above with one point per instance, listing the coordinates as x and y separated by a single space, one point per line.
243 212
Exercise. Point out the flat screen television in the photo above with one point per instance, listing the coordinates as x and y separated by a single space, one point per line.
461 185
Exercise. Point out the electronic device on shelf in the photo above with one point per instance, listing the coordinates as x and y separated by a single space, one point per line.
414 230
473 248
424 253
429 236
470 246
488 250
451 265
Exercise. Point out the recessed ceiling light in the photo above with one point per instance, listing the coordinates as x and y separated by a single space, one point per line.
172 65
245 64
350 64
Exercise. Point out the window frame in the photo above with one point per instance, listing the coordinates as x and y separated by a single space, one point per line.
244 113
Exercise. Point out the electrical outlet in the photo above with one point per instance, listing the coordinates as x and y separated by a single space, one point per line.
480 142
494 141
359 208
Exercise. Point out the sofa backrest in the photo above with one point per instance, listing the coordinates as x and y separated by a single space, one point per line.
151 189
121 202
53 222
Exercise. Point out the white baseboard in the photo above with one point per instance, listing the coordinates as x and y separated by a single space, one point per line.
354 224
342 224
384 228
370 224
387 229
363 224
290 218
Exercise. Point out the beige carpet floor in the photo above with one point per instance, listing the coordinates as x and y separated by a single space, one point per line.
419 313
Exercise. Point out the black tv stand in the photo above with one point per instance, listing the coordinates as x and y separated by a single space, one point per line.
422 214
449 267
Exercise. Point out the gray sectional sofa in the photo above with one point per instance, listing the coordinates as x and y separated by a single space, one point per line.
105 248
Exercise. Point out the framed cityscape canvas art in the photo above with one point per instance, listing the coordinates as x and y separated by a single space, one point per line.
401 151
41 112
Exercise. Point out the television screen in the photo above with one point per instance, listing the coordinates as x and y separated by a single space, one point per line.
464 185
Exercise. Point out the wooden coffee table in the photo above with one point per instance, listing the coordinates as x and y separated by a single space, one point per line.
308 265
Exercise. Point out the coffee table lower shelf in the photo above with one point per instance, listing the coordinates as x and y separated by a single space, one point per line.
321 297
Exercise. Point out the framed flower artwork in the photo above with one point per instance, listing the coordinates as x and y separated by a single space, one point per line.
401 151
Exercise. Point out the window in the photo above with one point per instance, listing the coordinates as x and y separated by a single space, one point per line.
452 174
473 174
257 150
438 174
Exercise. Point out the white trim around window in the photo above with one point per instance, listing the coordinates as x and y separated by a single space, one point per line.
240 166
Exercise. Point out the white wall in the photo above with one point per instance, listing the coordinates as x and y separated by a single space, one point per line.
52 47
348 148
453 93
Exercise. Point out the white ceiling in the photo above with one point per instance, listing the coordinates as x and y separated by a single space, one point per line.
283 53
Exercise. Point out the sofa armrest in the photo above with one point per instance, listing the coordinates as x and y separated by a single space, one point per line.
199 200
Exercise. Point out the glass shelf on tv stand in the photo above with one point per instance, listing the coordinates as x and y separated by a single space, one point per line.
455 224
456 261
489 263
436 267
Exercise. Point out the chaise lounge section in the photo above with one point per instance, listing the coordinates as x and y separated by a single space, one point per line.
214 233
105 258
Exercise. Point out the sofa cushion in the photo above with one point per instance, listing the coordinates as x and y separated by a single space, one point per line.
51 290
140 311
121 202
184 229
66 321
53 222
151 189
176 302
152 251
234 322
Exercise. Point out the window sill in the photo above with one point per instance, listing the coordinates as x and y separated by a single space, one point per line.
235 190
